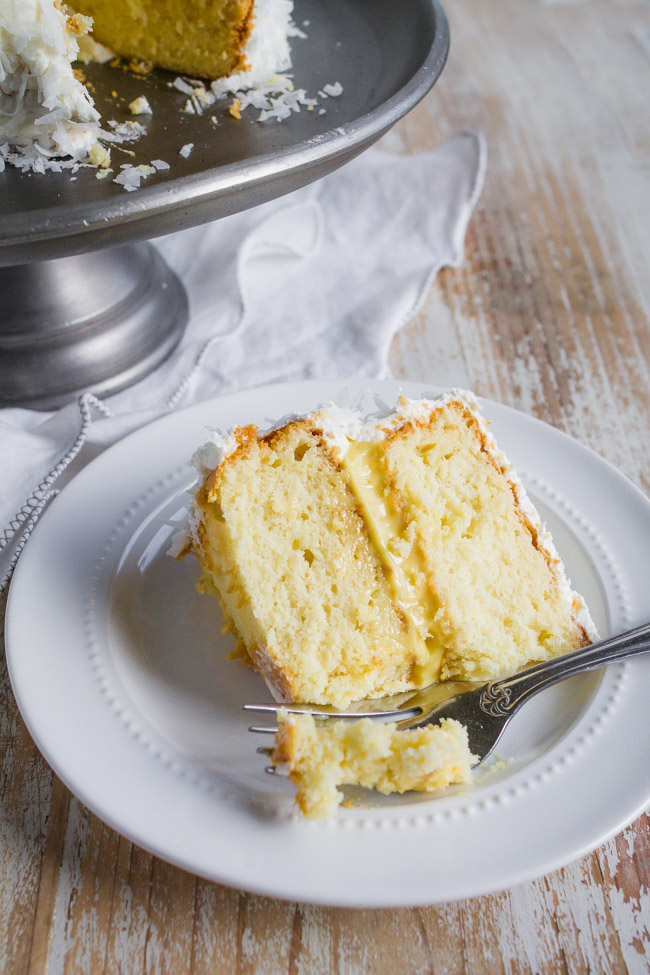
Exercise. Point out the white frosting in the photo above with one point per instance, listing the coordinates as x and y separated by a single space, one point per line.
267 49
45 112
342 426
213 452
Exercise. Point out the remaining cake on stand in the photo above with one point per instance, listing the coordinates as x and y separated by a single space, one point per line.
202 38
48 119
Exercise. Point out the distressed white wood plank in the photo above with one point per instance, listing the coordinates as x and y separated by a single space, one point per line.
625 863
549 313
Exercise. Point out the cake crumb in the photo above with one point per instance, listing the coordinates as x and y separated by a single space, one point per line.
140 106
140 67
320 758
79 24
235 108
186 150
204 96
100 156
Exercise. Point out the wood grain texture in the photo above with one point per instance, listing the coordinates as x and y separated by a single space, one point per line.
549 313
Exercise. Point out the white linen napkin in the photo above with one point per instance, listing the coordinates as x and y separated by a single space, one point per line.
312 285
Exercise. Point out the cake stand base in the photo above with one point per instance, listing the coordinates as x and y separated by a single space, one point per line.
90 323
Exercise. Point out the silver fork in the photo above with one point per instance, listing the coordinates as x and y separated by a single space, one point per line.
483 708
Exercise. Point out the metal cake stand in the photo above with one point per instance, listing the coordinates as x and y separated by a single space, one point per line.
85 302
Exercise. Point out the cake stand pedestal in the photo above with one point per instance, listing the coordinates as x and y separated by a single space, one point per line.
96 321
84 304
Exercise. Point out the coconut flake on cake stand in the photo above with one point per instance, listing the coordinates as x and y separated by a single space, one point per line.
47 118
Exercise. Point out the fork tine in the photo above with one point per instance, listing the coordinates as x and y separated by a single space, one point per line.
292 709
262 707
265 751
350 715
260 730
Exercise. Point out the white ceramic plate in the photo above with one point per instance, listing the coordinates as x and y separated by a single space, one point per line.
121 675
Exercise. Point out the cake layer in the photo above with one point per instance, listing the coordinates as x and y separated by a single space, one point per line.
499 593
320 758
284 546
356 559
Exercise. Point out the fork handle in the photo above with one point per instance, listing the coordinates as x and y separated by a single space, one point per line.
503 697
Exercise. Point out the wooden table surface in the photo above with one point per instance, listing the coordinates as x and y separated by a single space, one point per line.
549 314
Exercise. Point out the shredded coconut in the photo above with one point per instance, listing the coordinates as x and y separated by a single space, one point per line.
47 118
267 49
333 91
129 177
126 131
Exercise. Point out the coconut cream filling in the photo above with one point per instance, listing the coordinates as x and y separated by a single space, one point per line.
400 558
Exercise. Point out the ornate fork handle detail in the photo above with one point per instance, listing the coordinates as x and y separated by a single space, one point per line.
503 697
496 699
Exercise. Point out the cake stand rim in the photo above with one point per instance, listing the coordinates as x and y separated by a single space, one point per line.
216 183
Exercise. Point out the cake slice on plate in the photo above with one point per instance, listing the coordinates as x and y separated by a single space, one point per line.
356 559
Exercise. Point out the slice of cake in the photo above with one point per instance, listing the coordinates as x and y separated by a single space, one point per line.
354 559
45 110
201 38
320 758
